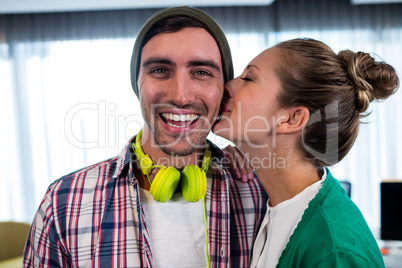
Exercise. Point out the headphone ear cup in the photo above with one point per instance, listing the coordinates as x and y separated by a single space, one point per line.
193 183
164 184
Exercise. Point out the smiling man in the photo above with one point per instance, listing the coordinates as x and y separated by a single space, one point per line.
180 88
167 200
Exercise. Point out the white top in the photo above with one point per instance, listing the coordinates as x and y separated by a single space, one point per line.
278 225
176 231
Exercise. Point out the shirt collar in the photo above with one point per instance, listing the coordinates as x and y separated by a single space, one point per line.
124 158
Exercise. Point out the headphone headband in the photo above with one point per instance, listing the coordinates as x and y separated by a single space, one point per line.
146 164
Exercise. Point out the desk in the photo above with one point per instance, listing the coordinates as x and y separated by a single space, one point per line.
393 253
12 263
393 261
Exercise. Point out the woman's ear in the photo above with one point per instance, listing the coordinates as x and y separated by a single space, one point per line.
293 120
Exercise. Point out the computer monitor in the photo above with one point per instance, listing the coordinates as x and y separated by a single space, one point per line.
347 186
391 210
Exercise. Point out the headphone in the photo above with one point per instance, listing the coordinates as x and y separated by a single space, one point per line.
193 178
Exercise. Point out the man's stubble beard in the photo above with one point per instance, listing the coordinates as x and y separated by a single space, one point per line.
184 144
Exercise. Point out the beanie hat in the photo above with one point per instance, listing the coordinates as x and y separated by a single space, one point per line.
185 11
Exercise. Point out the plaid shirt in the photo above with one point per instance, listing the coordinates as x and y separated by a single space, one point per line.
94 218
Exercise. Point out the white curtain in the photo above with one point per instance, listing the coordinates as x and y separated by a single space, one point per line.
66 99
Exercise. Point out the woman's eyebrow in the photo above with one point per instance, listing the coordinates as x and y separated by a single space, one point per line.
251 65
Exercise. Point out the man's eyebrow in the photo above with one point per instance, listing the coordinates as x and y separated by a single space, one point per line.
209 63
157 60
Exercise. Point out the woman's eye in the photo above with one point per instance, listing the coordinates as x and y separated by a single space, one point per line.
245 78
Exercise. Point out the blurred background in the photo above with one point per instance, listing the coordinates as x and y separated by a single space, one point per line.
67 102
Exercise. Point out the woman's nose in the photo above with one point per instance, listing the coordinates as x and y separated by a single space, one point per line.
230 87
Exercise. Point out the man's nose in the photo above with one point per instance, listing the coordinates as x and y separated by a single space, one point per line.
182 92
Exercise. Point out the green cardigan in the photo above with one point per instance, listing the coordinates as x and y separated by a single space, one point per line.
331 233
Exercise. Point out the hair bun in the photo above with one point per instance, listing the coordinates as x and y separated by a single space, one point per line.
370 79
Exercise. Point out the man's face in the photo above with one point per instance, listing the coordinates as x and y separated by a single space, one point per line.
181 86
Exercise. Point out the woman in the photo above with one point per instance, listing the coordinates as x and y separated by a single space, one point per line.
295 110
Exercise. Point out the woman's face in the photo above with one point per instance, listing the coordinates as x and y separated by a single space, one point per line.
250 109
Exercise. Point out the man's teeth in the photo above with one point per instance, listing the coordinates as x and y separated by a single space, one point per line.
173 125
186 119
181 118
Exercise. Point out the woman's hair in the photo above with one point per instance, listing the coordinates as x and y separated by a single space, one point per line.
336 89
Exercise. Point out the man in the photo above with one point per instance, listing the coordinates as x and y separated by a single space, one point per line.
105 215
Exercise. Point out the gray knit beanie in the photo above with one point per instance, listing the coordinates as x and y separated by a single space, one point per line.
185 11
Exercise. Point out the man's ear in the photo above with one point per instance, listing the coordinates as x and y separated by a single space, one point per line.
293 120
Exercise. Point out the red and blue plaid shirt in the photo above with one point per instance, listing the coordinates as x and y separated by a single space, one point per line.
94 218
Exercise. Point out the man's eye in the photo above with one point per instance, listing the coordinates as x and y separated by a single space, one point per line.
202 73
159 71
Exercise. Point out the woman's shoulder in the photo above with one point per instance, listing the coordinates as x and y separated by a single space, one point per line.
334 213
333 200
334 227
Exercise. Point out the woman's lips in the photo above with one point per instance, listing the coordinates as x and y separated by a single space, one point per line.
225 109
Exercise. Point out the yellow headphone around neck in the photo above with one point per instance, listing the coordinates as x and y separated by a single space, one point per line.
193 178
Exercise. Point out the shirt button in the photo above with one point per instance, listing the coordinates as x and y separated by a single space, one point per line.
222 252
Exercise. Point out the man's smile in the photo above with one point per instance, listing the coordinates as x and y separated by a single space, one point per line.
179 120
